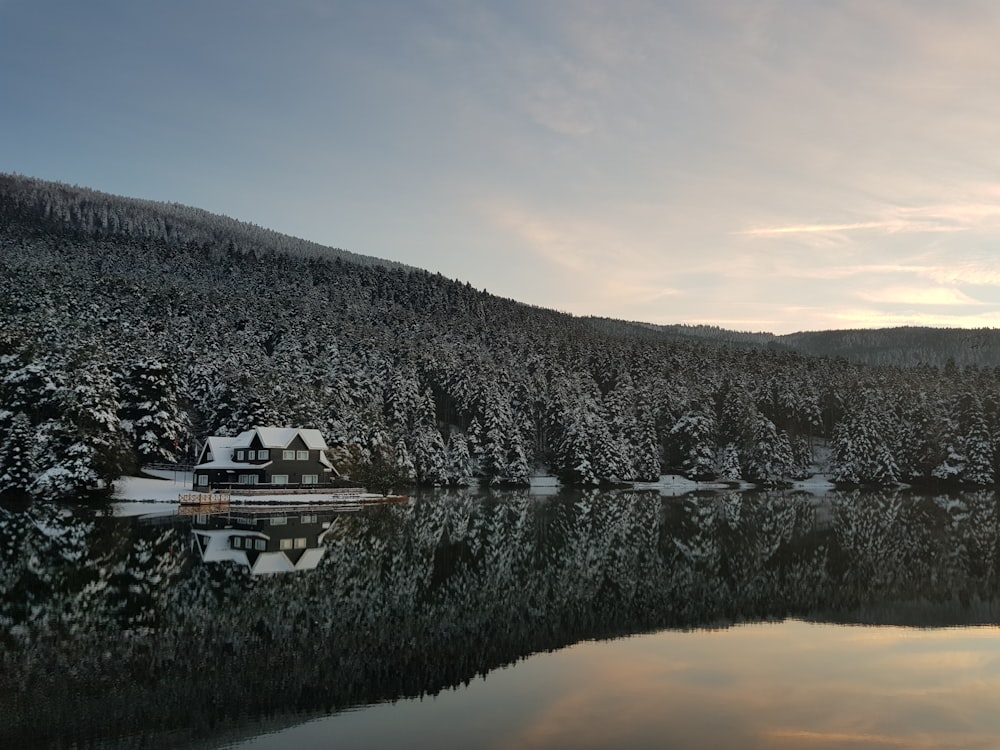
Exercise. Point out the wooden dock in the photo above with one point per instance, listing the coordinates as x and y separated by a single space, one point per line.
222 497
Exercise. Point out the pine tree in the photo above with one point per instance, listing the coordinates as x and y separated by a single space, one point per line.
863 443
770 460
17 471
151 414
459 462
729 465
693 436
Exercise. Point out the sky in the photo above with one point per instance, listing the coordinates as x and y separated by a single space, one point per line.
778 165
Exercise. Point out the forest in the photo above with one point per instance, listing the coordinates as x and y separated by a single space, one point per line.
133 329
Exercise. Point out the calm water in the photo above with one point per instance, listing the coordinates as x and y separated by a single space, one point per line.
582 621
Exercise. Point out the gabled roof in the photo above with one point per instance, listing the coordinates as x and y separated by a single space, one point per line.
281 437
221 448
275 438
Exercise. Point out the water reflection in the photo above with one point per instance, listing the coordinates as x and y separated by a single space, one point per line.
113 629
263 540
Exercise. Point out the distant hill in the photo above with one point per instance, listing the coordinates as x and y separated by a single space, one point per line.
906 346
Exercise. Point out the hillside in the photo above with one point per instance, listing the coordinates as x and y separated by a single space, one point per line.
133 329
906 346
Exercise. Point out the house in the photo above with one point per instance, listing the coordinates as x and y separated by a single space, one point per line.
263 542
278 457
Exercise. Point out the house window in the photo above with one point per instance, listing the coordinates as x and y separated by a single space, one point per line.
260 545
263 454
301 455
279 521
285 544
203 480
309 518
248 479
251 455
288 455
310 479
279 479
241 455
236 542
300 542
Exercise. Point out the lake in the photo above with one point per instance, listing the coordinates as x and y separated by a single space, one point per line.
505 620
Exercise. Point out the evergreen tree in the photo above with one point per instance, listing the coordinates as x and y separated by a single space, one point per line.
459 462
693 436
770 460
151 414
17 471
729 465
863 443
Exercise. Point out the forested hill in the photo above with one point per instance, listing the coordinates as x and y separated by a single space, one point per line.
60 208
129 334
906 346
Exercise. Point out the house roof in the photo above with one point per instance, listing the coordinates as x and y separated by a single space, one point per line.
281 437
221 449
275 438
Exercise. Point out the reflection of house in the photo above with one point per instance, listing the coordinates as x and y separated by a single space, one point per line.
274 456
281 541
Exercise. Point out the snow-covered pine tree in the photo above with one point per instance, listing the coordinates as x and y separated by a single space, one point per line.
770 460
693 437
17 471
150 412
729 463
458 461
864 442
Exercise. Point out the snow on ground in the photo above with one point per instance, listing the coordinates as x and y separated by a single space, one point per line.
135 496
163 488
158 492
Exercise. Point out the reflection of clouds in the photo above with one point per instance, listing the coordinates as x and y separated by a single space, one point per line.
800 738
781 685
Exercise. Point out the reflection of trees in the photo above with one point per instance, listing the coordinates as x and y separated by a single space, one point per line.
110 628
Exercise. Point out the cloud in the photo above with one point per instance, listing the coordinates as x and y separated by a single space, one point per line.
813 228
918 296
960 217
612 265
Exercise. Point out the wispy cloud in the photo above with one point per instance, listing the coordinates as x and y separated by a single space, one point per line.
919 296
958 217
814 228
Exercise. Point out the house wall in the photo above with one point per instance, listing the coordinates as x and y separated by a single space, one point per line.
218 477
294 469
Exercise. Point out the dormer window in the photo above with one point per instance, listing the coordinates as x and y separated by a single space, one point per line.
263 454
241 455
251 455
